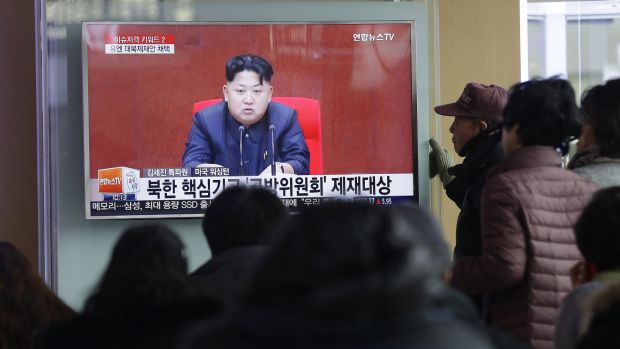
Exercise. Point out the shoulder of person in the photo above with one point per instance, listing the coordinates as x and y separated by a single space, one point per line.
600 166
582 182
212 117
498 181
213 110
582 292
280 108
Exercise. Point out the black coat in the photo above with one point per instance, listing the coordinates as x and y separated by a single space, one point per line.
484 151
448 323
227 274
128 326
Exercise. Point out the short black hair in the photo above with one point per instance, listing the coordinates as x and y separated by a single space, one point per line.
352 261
242 216
249 62
601 106
545 111
597 230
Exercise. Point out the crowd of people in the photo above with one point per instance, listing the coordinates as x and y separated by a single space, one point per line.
536 262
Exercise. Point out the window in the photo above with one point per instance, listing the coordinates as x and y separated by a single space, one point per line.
577 39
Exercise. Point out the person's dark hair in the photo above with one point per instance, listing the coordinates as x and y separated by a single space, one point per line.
26 303
545 111
598 229
148 266
352 261
249 62
601 106
242 216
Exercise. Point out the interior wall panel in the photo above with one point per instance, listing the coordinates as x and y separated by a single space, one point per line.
478 41
18 134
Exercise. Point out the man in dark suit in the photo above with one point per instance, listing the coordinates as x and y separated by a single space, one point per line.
247 132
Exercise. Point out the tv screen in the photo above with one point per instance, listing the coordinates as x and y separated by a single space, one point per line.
177 112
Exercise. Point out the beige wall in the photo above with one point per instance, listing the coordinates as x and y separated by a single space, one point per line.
478 41
18 137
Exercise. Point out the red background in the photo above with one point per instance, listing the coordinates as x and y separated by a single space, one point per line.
140 106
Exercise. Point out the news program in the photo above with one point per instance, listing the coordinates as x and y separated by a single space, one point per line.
174 113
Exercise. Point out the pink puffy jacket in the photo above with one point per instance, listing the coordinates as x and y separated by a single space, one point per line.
529 207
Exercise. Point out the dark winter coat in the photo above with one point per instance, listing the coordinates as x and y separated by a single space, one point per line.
529 207
466 189
449 323
227 274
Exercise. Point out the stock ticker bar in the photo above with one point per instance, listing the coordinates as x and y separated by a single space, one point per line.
176 195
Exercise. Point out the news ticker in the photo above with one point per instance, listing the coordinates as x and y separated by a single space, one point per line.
168 208
121 191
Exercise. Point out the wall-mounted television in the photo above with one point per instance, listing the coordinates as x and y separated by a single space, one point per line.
351 87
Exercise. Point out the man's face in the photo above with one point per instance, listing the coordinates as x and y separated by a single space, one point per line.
247 98
463 129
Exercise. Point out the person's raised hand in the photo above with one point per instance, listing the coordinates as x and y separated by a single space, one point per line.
439 161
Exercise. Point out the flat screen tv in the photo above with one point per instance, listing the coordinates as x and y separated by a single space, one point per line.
351 85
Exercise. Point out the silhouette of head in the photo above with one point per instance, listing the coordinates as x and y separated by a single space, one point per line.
544 112
351 261
242 216
148 266
601 107
597 230
26 303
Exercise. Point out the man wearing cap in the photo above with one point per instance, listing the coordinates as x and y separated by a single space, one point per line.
476 135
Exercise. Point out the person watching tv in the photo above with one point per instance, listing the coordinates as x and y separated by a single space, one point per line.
247 132
476 135
596 233
238 227
598 149
528 208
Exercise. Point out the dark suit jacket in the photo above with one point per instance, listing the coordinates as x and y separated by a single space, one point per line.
215 136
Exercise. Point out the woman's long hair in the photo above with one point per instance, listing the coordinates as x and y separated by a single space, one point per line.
148 268
26 303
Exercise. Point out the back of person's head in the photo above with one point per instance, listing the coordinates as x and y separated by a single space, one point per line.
249 62
242 216
148 266
601 106
545 112
347 261
598 229
26 303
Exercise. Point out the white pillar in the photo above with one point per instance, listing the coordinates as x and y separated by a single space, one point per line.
555 39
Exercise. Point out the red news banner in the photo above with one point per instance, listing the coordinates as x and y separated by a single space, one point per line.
144 44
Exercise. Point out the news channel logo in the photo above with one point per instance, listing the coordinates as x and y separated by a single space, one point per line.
118 180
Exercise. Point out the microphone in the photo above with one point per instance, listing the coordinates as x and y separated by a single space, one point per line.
272 130
242 169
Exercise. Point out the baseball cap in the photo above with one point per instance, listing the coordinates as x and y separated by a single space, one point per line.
478 100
